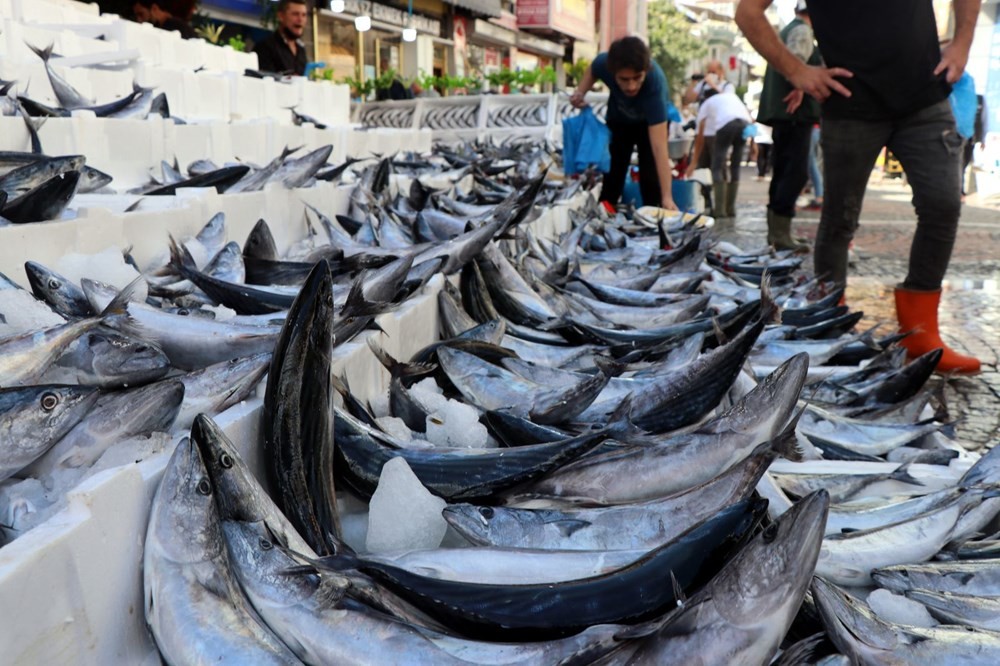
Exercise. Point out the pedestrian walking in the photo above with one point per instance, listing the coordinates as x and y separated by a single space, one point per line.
637 119
869 101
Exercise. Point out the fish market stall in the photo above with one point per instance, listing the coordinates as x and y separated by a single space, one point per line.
278 388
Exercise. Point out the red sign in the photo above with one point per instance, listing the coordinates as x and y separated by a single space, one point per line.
570 17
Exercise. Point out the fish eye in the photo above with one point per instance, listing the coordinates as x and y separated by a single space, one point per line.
770 532
486 512
225 461
265 544
204 487
54 283
184 312
49 401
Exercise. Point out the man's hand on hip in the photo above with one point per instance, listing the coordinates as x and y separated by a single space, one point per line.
820 82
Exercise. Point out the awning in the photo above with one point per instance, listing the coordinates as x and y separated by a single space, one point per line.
489 8
484 31
539 46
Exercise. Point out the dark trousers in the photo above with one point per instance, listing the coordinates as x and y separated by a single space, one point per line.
791 165
625 137
763 159
967 154
929 149
729 143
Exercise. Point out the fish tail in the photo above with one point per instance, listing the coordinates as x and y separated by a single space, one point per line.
180 258
902 474
44 54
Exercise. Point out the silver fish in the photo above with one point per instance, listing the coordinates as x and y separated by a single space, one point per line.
867 639
743 614
34 418
193 604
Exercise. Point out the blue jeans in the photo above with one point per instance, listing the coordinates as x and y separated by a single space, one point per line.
930 150
815 175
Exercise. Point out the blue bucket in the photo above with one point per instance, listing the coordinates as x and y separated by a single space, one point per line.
683 192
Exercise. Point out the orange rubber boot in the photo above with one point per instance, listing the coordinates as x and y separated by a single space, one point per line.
917 311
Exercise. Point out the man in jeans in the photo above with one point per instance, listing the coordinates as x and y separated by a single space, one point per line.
870 101
725 116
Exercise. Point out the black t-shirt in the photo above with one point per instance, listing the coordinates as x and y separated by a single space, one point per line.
177 25
891 46
273 55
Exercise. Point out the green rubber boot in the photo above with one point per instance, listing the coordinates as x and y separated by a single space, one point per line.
779 233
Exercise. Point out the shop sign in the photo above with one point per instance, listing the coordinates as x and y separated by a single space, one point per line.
491 58
574 18
494 33
391 15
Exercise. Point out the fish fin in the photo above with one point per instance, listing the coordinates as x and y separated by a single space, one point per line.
678 590
849 530
44 54
118 303
902 474
134 207
786 444
609 366
770 311
567 527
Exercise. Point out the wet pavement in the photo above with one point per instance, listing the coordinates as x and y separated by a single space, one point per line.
970 307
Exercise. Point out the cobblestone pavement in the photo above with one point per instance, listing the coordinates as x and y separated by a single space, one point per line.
970 308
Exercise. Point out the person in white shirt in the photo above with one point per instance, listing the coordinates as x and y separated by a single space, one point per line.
724 116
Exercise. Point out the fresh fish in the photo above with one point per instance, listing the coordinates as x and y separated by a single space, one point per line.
218 387
298 407
842 487
62 295
44 202
848 559
193 604
34 174
35 418
192 342
109 360
640 591
675 464
67 95
114 417
312 615
743 614
867 639
978 578
650 524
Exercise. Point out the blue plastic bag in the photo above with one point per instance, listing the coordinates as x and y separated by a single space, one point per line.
585 143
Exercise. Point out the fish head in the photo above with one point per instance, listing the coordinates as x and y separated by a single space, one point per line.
227 264
236 488
46 411
775 397
92 179
56 290
893 578
260 243
121 361
486 525
771 573
213 233
185 506
850 623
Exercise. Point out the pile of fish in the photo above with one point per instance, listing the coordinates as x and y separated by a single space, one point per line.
633 443
36 187
692 456
139 104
